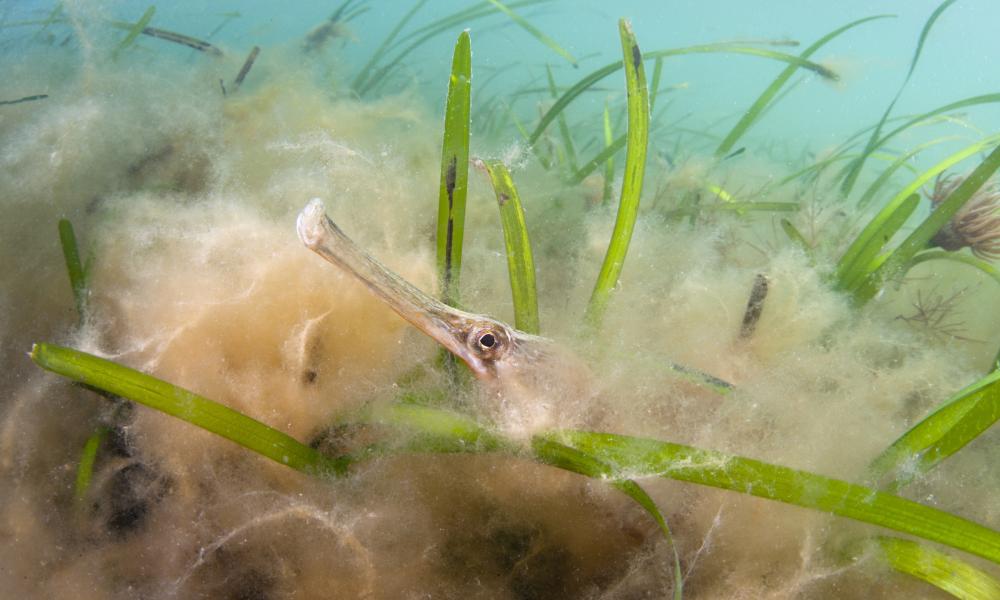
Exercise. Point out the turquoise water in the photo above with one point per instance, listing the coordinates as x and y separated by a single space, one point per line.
183 189
872 59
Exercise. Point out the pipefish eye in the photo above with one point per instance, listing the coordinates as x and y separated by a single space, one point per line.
487 340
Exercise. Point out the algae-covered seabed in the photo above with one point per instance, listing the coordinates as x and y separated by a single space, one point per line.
183 200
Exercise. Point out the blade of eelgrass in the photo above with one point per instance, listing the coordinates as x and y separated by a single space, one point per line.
737 207
957 577
953 575
961 419
445 431
797 238
365 71
487 118
931 117
227 17
630 457
901 161
134 31
854 169
564 133
535 32
610 457
814 169
981 265
936 113
74 267
760 105
520 263
634 458
421 35
635 166
520 127
354 14
641 497
338 13
722 194
919 237
465 15
852 139
605 157
56 15
30 23
454 171
187 406
590 79
853 268
555 454
855 265
654 89
785 92
85 470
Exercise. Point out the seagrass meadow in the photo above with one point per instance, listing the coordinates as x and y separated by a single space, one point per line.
513 299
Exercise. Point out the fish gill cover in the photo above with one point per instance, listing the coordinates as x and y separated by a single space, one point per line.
679 301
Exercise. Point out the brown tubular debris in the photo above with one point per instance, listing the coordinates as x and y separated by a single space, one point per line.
184 40
755 305
247 65
25 99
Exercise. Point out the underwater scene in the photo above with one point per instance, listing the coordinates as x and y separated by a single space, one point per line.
513 299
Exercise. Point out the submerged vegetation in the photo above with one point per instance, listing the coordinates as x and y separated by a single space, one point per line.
791 376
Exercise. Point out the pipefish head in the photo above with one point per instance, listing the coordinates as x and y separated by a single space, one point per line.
494 351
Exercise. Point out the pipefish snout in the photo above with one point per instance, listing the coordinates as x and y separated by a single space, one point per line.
494 351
